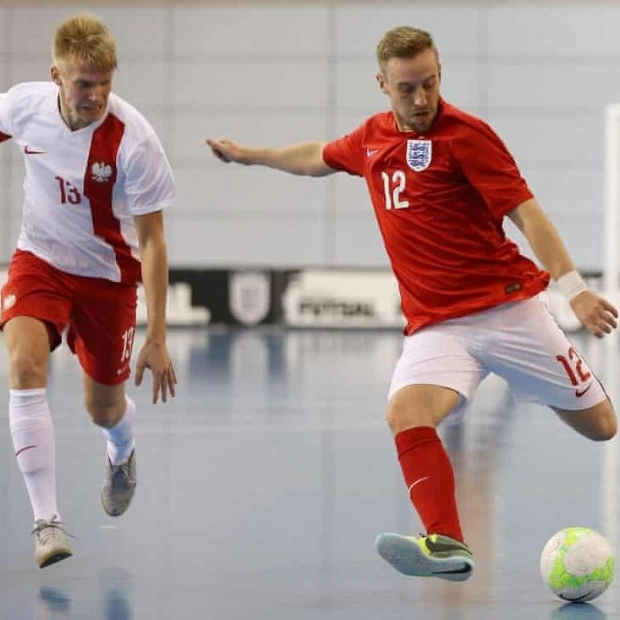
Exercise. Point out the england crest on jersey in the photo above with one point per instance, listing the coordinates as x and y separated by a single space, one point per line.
419 154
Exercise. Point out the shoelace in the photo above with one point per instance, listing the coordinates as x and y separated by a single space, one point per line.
124 469
47 529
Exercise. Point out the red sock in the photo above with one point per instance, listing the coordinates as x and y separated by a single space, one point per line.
430 480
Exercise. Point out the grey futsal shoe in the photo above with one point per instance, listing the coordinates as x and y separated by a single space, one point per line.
427 556
119 486
50 542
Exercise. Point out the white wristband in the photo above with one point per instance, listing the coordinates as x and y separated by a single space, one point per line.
571 284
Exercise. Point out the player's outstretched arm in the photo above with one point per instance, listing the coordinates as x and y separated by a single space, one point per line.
595 312
304 159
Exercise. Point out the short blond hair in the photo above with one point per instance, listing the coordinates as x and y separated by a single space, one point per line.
87 39
403 42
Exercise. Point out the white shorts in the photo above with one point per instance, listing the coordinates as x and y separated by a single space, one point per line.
520 342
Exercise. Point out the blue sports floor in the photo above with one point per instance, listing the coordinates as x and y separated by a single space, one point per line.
262 487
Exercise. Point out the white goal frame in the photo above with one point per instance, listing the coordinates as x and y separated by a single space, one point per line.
611 289
611 216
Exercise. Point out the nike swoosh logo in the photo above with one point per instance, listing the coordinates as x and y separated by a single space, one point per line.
23 450
580 393
30 151
456 571
371 152
418 482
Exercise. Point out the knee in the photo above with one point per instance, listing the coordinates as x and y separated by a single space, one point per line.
393 422
605 424
399 419
420 405
606 429
596 423
104 414
27 370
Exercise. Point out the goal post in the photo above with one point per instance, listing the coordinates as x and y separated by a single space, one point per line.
611 289
611 216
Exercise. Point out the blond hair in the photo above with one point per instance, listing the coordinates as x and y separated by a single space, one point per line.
86 39
403 42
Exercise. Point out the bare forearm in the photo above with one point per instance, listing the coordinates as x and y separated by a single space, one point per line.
549 248
304 159
544 239
155 279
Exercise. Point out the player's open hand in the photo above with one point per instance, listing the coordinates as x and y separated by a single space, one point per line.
227 150
595 312
155 357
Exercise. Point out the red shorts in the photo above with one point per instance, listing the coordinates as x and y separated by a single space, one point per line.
99 315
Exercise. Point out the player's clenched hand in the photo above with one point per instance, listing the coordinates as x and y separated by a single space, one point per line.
227 150
155 357
595 312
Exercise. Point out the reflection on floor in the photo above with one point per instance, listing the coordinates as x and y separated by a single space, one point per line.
263 486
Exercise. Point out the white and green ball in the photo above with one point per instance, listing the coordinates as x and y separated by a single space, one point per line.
577 564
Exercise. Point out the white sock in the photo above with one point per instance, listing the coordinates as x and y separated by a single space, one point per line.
120 437
32 432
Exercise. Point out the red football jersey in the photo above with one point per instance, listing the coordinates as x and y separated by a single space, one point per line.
440 199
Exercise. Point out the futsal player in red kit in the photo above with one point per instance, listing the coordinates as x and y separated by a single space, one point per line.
441 182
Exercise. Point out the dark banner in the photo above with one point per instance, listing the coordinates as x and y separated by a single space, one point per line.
304 298
222 297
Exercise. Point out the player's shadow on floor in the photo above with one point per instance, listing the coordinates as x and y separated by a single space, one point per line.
54 600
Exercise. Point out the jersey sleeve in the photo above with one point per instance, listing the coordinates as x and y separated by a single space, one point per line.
6 105
346 153
149 182
490 168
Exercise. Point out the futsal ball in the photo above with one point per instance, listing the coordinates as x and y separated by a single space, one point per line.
577 564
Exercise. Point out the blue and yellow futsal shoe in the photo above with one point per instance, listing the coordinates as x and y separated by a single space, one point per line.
427 556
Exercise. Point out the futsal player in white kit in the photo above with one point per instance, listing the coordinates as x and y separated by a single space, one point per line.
96 184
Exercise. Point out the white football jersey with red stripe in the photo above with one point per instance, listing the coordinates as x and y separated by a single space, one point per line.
83 188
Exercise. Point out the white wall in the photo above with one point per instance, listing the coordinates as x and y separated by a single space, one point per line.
279 73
